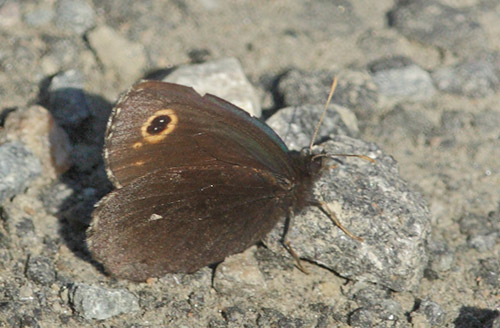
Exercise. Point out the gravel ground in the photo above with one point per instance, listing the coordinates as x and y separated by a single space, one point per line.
418 91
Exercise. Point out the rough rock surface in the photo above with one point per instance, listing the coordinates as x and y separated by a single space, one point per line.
418 91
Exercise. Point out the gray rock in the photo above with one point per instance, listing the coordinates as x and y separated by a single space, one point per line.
20 72
120 56
454 121
433 312
26 293
68 79
481 230
40 15
489 272
35 127
93 302
389 63
433 23
25 228
488 122
75 15
234 314
296 124
475 78
361 317
355 90
291 131
68 102
223 78
65 52
373 202
405 121
483 243
55 196
239 273
299 87
402 81
374 306
18 167
380 313
337 18
28 321
441 258
270 317
40 269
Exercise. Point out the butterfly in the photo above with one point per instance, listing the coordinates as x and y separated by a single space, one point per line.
196 178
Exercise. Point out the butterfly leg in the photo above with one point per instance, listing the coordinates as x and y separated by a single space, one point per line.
288 246
331 214
297 259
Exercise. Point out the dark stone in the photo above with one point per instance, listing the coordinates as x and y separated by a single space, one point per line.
489 272
433 312
433 23
40 269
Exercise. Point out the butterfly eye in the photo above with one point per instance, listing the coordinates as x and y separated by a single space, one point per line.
158 124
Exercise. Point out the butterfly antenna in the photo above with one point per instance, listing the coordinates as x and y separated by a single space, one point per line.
316 131
366 158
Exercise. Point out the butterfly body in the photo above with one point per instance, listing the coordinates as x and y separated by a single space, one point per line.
197 179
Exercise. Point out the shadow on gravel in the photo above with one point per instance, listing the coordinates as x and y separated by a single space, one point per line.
471 317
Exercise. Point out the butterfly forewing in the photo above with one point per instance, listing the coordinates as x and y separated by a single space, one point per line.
159 124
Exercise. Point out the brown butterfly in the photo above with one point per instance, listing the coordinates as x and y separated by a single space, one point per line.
197 179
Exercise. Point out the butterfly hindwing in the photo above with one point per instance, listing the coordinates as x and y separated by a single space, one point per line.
178 220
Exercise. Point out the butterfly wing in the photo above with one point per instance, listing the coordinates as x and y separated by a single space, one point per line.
181 219
162 124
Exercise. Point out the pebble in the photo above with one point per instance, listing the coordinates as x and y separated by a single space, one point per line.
436 24
18 168
122 57
239 272
40 269
474 79
77 16
95 302
36 128
402 81
223 78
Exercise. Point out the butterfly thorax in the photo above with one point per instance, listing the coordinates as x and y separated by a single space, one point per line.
307 170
